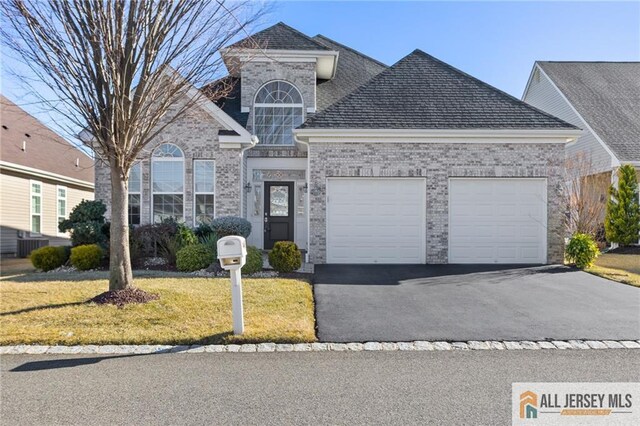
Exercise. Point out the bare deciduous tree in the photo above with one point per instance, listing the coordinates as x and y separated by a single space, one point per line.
583 196
121 70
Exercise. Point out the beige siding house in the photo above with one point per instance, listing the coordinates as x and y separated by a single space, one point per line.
42 178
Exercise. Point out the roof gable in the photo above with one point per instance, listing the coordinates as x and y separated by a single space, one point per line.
279 37
607 97
422 92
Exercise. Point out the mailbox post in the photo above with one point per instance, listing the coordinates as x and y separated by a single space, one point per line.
232 253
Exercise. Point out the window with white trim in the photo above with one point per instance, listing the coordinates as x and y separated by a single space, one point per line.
62 203
36 208
135 194
167 171
203 191
278 109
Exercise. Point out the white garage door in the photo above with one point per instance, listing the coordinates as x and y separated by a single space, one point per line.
376 220
497 220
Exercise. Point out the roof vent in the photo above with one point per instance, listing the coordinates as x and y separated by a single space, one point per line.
5 127
78 162
27 135
24 146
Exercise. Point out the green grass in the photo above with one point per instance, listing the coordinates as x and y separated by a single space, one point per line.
624 268
34 310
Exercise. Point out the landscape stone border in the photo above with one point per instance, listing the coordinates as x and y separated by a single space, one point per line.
472 345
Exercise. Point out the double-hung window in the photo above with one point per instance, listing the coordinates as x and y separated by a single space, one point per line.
204 191
62 203
36 208
278 109
135 193
167 173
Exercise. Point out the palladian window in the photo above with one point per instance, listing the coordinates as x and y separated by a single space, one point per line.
167 171
278 109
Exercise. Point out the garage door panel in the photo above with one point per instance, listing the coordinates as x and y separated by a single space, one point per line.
497 220
376 220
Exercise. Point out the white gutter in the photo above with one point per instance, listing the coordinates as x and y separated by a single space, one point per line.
254 142
4 165
308 206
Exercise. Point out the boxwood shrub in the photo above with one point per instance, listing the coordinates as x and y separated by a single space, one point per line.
194 257
254 261
48 258
86 257
582 250
285 257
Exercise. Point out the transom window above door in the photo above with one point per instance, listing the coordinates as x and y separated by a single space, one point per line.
278 109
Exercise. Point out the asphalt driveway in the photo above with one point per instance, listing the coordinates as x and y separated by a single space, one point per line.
471 302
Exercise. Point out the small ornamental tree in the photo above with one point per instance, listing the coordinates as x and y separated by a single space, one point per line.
622 221
86 223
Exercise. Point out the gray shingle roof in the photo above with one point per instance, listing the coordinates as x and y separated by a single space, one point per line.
607 96
354 69
279 37
422 92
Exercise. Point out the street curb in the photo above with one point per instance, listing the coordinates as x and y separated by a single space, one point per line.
419 345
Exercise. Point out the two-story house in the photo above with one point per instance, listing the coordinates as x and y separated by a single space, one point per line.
358 162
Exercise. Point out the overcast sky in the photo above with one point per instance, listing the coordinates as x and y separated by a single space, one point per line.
497 42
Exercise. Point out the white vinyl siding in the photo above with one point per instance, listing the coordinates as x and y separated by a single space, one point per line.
376 220
543 95
497 220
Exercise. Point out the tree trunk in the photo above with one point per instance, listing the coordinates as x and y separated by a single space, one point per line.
120 275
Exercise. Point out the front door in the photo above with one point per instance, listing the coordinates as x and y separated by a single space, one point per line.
278 212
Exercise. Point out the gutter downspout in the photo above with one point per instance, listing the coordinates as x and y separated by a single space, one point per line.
254 142
308 178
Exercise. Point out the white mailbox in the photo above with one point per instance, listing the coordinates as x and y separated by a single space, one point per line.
232 252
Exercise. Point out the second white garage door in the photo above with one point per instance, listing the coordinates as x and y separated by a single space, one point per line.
376 220
497 220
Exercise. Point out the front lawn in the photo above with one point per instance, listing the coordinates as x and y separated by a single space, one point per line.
190 310
624 268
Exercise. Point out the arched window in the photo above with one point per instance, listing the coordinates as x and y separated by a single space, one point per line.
278 109
167 173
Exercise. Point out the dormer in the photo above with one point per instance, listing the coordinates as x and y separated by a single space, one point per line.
280 53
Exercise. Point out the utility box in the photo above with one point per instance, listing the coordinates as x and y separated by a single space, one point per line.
232 252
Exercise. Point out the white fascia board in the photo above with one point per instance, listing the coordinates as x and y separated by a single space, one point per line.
268 55
526 88
43 174
208 106
435 136
234 140
614 159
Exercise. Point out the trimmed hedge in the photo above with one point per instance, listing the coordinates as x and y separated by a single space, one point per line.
86 257
285 257
194 257
582 250
231 225
48 258
254 261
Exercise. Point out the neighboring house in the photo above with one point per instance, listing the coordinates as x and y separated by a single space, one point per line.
603 98
358 162
42 178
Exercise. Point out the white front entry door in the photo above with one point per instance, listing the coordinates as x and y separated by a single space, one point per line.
376 220
501 220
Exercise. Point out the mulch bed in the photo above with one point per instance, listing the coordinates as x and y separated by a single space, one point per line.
626 250
123 297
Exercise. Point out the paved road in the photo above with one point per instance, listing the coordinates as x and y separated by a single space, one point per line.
471 302
290 388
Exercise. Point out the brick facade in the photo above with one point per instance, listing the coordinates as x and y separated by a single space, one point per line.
196 133
436 162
